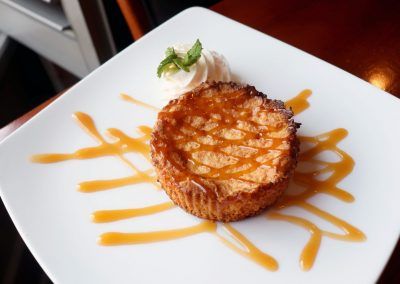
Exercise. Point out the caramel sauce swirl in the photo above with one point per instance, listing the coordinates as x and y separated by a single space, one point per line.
310 181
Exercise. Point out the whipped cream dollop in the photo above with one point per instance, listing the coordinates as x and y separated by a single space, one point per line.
211 66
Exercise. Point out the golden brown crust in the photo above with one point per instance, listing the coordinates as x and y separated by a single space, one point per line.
224 151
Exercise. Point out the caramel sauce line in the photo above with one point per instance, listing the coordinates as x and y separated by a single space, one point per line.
310 250
117 238
250 251
104 216
99 185
351 233
130 99
123 144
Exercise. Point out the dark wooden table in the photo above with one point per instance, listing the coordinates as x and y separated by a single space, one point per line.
361 37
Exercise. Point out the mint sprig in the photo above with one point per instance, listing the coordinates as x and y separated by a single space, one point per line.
193 54
174 62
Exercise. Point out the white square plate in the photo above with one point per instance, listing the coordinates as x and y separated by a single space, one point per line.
53 218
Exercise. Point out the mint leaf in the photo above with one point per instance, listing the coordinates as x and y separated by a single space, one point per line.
193 54
164 65
179 63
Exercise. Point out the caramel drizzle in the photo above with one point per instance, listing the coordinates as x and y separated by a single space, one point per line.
249 251
312 184
116 238
129 99
243 166
104 216
299 103
123 144
338 170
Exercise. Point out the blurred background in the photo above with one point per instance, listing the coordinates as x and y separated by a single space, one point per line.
46 46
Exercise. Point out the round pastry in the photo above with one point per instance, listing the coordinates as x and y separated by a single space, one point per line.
224 151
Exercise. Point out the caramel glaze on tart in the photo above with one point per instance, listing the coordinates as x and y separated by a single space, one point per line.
224 151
